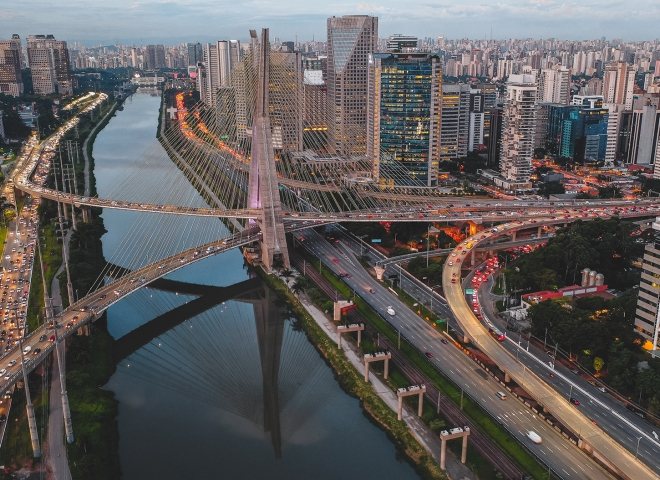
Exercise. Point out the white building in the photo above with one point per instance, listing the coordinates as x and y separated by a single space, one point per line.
647 315
518 131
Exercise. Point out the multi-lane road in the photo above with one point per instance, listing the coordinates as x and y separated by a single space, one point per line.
555 402
566 460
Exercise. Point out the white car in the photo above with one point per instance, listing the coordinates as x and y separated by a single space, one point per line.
534 437
390 310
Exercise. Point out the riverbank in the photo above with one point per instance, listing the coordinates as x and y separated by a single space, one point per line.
353 383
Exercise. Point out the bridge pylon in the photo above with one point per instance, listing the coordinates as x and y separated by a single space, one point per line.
263 190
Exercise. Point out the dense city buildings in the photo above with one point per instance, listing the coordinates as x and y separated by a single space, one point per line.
647 315
11 63
455 125
220 58
403 122
48 59
351 40
618 84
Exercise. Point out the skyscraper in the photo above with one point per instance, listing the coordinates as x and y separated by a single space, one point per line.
154 57
11 62
647 315
351 39
455 129
618 83
555 85
518 124
220 59
195 53
49 62
403 121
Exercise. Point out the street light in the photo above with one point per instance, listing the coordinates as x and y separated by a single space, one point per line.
637 450
434 286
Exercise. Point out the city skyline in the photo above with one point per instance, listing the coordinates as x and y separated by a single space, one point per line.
148 21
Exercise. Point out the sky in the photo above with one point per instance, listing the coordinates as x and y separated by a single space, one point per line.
101 22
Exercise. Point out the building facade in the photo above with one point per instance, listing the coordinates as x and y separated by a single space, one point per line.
455 126
518 131
49 62
618 83
351 40
647 315
11 63
403 121
555 85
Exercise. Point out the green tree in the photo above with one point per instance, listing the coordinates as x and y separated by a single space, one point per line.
599 363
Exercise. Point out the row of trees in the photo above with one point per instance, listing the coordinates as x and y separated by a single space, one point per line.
602 245
599 332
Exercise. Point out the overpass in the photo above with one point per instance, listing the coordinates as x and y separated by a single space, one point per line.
592 438
440 252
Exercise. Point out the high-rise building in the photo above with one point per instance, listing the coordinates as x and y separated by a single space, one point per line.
518 124
494 138
639 130
220 58
195 53
11 63
618 83
286 100
402 43
49 63
614 121
154 57
351 39
403 121
455 125
555 85
647 315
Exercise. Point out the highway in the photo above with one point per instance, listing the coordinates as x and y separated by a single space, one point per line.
554 402
566 460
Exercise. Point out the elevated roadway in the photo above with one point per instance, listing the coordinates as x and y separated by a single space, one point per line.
592 438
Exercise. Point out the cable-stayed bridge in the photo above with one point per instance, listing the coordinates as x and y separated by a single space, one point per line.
246 159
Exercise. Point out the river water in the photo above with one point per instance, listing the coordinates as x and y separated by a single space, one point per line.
215 383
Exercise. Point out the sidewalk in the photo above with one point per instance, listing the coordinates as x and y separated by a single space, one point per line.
429 441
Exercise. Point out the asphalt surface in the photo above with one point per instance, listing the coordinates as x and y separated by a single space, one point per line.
554 401
557 452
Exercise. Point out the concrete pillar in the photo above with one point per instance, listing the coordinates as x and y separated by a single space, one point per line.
507 378
539 231
513 235
366 371
74 222
473 257
387 368
443 453
466 339
464 449
399 410
86 214
32 421
420 404
379 272
66 412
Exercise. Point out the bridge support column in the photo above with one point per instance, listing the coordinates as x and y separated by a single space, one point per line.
86 214
507 378
377 357
66 412
473 258
418 390
514 234
445 436
354 327
539 231
74 221
29 408
263 187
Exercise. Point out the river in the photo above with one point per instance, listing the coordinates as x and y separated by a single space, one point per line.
232 389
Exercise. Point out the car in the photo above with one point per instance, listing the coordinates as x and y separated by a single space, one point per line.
371 290
42 338
428 354
602 389
11 364
534 437
3 371
444 341
390 310
575 401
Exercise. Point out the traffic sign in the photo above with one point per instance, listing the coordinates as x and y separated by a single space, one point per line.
469 291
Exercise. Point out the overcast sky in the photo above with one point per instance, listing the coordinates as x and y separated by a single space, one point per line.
95 22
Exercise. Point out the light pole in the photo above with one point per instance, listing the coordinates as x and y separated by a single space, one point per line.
428 238
637 450
432 293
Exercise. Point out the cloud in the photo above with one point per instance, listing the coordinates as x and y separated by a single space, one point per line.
123 20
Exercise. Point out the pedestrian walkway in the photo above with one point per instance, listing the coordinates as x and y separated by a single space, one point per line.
429 440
